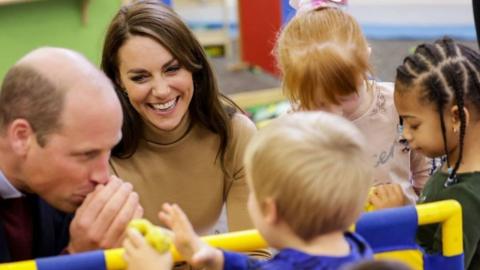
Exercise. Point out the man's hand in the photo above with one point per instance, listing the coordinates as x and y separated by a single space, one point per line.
387 196
100 222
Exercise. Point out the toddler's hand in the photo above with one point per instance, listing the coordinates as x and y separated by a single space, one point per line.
187 242
140 255
386 196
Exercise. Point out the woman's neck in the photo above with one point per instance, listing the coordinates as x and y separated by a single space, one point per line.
154 135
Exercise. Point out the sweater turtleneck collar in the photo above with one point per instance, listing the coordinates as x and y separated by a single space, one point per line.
155 135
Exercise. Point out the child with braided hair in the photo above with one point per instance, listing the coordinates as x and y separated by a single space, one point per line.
437 94
324 59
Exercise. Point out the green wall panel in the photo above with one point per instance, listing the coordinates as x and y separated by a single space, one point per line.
25 26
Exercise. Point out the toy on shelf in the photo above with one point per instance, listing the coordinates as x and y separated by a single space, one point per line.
262 105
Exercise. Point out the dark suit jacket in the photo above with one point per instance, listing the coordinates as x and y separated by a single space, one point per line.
51 234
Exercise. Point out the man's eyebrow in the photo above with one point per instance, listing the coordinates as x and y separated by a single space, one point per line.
85 152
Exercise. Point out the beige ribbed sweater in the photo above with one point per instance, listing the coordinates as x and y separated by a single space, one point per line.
181 167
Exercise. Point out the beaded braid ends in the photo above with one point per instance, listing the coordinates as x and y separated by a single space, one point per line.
448 74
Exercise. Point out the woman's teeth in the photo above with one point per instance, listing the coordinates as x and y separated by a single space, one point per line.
164 106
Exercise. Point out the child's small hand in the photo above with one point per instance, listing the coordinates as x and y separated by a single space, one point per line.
386 196
140 255
188 243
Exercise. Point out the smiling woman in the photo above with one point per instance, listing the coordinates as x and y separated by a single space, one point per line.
183 142
158 86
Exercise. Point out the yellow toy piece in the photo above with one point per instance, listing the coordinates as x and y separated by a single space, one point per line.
368 206
157 237
449 214
25 265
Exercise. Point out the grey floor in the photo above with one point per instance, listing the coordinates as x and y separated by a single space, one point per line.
386 56
240 80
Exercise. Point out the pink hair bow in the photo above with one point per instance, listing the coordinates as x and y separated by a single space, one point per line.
306 5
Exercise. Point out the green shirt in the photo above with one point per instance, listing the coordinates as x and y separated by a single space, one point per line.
467 192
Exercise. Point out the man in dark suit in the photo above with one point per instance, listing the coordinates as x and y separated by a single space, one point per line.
59 119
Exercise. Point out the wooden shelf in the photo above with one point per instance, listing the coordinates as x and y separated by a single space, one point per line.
258 97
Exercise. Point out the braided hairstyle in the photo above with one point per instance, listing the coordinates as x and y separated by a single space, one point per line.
448 74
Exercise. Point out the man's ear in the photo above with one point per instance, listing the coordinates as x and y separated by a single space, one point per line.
270 211
20 136
455 117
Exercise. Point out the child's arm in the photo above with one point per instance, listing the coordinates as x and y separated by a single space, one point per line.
140 255
188 243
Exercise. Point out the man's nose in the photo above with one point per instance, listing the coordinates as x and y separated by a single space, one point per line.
100 172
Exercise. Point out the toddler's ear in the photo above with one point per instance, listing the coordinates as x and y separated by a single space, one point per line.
269 211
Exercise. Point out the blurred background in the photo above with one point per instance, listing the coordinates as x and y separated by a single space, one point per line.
238 34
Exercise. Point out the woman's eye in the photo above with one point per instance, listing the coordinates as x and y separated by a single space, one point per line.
138 78
172 68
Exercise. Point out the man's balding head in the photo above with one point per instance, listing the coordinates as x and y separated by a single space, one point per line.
34 89
62 67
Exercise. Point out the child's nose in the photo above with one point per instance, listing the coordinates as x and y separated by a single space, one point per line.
407 135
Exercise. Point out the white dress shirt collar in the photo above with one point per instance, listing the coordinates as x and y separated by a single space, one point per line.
7 190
